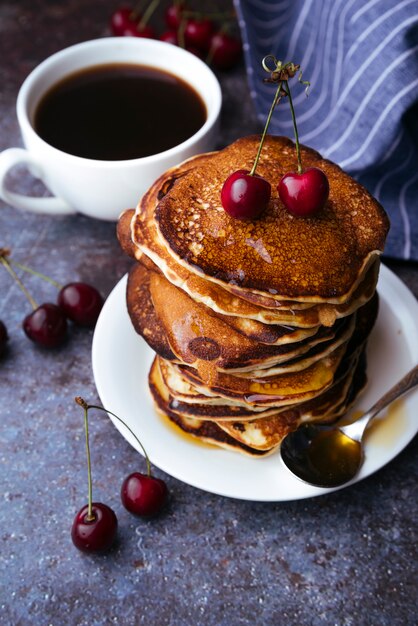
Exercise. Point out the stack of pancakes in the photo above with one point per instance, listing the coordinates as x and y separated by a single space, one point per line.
258 325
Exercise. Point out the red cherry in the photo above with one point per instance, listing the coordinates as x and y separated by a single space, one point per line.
119 20
133 30
170 36
245 196
98 534
197 34
304 194
81 303
4 337
46 325
143 495
225 50
173 15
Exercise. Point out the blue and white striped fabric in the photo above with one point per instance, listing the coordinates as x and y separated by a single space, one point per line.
361 57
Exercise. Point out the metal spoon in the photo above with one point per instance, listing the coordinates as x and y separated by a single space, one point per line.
331 455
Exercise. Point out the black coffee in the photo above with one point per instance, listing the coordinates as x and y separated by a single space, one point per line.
119 111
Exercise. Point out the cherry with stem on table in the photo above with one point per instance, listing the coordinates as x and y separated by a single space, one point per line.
128 22
224 51
197 31
46 325
95 525
142 494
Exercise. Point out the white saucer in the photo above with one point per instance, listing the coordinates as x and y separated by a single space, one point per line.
121 361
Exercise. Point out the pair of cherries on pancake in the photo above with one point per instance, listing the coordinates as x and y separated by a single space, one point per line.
95 525
246 196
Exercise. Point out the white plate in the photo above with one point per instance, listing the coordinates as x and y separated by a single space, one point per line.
121 361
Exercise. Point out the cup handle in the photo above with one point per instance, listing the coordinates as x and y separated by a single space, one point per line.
19 156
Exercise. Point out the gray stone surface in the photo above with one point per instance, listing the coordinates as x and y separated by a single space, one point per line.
348 558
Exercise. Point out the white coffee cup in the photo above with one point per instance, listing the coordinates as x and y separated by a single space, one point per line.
103 189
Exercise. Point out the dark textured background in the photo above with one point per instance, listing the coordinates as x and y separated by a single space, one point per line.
348 558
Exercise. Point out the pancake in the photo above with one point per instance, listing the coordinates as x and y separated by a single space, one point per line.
284 389
184 399
209 432
232 302
320 259
266 433
258 325
142 314
220 300
183 391
189 332
262 434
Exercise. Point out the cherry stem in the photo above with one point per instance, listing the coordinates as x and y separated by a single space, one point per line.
25 268
6 263
295 128
224 29
276 99
147 14
90 516
86 406
180 32
136 12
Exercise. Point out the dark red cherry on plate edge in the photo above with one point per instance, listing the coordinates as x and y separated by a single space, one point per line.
245 195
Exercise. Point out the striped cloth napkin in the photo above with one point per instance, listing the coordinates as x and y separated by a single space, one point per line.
361 58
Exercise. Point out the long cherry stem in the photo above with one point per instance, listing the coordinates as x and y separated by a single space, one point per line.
263 136
15 277
84 404
180 32
90 515
295 128
147 13
25 268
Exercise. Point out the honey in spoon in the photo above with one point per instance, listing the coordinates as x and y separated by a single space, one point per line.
321 455
331 455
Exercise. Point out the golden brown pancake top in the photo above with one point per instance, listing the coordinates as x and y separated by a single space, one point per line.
278 253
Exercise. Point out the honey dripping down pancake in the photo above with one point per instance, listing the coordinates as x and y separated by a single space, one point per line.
258 325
